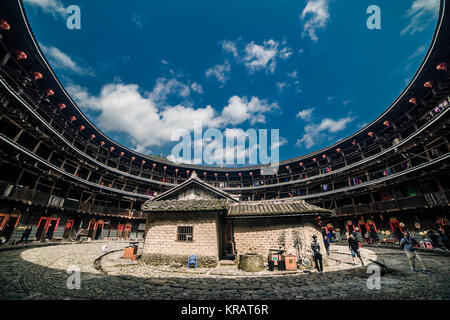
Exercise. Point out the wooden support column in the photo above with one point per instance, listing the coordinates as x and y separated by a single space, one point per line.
37 146
18 135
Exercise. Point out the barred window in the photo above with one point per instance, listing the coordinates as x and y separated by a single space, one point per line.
185 234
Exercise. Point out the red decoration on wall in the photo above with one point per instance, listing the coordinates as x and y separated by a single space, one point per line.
111 149
324 156
62 106
37 76
204 173
92 136
442 66
215 174
73 118
102 143
287 167
370 134
338 150
187 172
301 164
82 128
314 160
4 25
176 170
387 123
133 158
413 100
122 153
240 174
165 168
428 84
251 173
20 55
49 93
143 162
354 142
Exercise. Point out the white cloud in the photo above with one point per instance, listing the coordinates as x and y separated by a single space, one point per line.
281 86
122 108
230 46
53 7
60 60
197 87
315 16
258 57
306 114
169 87
421 14
346 102
315 133
240 109
293 74
221 72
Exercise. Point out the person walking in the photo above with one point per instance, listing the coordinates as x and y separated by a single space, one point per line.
317 256
327 245
25 235
407 243
353 245
79 234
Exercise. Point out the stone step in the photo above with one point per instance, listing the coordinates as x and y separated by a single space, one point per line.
226 262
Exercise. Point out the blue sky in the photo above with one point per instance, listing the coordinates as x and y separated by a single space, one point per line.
310 68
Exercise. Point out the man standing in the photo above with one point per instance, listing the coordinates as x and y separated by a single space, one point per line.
317 256
327 245
407 243
79 234
353 245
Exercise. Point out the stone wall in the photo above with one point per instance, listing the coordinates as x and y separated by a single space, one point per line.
260 235
162 247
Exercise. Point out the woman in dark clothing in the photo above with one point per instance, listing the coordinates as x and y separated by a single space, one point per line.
317 256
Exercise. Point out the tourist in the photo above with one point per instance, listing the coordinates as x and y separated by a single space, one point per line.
330 237
79 234
327 245
353 245
444 238
25 235
434 238
407 243
317 256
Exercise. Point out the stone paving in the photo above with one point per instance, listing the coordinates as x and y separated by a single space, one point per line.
41 273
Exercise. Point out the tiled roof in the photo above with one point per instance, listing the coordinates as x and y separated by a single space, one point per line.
275 207
185 205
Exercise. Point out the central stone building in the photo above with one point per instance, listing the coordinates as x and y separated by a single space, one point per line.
197 218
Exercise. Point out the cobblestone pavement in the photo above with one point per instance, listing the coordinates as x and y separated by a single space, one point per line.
41 273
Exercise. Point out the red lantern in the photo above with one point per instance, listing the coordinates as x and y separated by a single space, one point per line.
4 25
386 123
215 174
251 173
133 158
143 162
122 153
176 170
165 168
287 167
102 143
92 136
338 150
37 76
226 174
324 156
442 66
82 128
111 149
187 172
301 164
20 55
428 84
240 174
413 100
49 93
370 134
354 142
204 173
73 118
314 159
62 106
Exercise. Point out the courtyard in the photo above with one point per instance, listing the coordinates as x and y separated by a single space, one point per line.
42 273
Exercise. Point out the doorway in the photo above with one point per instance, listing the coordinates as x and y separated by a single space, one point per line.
99 229
228 239
68 229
